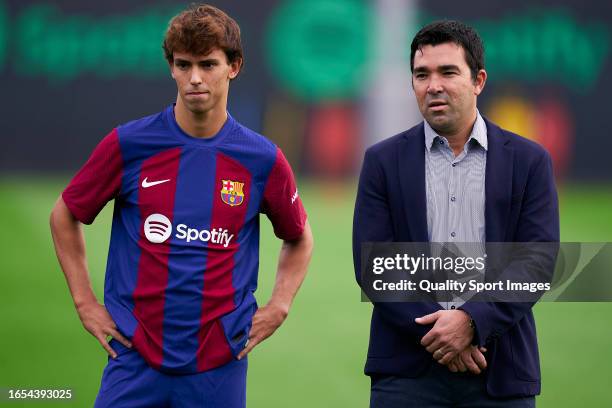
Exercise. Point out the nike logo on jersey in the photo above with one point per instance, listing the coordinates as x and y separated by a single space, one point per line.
146 184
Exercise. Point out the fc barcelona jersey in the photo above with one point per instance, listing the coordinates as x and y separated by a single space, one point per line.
184 248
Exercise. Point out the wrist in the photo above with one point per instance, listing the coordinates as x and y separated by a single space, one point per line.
84 302
465 315
281 308
470 323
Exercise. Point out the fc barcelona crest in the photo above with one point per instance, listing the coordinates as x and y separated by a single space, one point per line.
231 192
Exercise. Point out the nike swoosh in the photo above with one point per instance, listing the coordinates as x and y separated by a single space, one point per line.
146 184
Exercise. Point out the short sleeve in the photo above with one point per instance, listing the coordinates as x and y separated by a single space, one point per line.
97 182
281 202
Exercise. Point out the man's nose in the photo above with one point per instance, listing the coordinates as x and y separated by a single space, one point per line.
196 77
435 85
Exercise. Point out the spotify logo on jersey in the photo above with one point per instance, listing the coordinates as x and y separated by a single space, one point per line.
157 228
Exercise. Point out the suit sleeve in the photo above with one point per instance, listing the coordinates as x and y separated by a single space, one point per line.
538 222
372 222
281 201
97 182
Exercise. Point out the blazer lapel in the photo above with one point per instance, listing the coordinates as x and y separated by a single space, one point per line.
411 171
498 183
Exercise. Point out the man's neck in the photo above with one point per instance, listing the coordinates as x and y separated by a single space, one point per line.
202 125
459 138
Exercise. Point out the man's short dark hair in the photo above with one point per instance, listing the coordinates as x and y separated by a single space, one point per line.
444 31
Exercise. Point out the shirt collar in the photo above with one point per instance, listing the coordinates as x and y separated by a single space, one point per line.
479 133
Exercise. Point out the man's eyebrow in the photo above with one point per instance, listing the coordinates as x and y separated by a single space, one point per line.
181 61
448 67
208 61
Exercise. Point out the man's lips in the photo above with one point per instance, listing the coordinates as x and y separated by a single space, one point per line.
437 105
197 93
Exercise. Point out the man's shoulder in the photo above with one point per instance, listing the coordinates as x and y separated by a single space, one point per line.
520 144
147 123
252 138
390 145
249 146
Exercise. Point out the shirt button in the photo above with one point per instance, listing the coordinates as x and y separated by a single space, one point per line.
453 306
454 164
441 141
453 198
453 234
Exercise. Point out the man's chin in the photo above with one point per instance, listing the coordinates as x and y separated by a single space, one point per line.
198 108
439 123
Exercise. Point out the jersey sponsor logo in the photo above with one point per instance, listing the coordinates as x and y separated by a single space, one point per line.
231 192
157 229
216 236
147 184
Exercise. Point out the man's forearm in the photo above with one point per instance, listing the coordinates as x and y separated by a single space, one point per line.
292 267
70 249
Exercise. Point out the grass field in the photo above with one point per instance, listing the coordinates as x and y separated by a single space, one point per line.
316 358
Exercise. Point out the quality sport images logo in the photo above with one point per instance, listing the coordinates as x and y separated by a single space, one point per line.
158 228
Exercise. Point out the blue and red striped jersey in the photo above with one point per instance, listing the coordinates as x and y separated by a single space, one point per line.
184 249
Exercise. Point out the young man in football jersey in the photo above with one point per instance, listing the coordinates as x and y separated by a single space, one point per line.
188 185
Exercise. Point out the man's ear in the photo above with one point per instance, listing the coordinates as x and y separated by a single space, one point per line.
171 66
479 82
235 68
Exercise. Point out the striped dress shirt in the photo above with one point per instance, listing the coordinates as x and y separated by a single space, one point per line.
455 188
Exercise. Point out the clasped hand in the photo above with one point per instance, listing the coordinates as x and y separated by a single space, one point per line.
449 341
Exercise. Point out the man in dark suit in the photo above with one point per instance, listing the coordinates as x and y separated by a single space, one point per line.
456 177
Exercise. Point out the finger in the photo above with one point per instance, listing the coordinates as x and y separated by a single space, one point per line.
107 346
470 364
427 341
247 349
119 337
479 359
460 365
428 319
431 339
428 338
483 349
439 353
434 346
446 358
453 367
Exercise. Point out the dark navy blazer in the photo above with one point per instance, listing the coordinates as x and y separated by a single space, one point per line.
520 206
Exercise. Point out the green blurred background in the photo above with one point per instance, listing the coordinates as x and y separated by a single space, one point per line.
316 358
